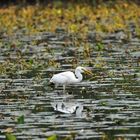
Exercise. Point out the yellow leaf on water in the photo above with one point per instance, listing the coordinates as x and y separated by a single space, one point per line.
8 130
53 137
73 28
59 11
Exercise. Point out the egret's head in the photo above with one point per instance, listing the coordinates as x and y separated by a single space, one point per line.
84 70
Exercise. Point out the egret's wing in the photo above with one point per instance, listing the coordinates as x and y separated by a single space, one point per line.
63 77
69 76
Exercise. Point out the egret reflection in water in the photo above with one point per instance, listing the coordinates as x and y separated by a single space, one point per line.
68 108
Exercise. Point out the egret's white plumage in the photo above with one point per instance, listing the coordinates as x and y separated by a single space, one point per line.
68 77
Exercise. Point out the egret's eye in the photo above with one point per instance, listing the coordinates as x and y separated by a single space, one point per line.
83 69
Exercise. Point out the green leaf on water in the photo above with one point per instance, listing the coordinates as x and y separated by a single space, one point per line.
99 46
20 120
10 136
103 103
31 61
53 137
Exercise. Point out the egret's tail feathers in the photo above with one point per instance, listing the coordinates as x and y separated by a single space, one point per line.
51 84
52 80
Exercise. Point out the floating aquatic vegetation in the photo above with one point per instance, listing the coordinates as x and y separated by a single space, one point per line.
10 137
20 120
77 18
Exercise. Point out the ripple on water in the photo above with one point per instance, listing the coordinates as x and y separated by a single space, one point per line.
110 99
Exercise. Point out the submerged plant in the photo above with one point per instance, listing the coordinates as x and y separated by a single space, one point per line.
20 120
10 136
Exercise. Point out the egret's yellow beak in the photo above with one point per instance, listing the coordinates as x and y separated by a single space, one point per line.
88 72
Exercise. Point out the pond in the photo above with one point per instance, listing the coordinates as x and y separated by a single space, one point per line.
109 100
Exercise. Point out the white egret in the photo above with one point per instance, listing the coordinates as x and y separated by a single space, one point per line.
68 77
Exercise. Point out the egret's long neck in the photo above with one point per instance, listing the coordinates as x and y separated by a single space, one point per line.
79 76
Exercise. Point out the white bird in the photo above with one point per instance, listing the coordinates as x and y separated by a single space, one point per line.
68 77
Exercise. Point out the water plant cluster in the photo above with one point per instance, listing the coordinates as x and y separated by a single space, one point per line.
75 18
79 24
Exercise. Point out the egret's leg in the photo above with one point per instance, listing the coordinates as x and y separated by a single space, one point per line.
56 85
64 88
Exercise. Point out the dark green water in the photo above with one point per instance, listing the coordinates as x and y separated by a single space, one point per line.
110 99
